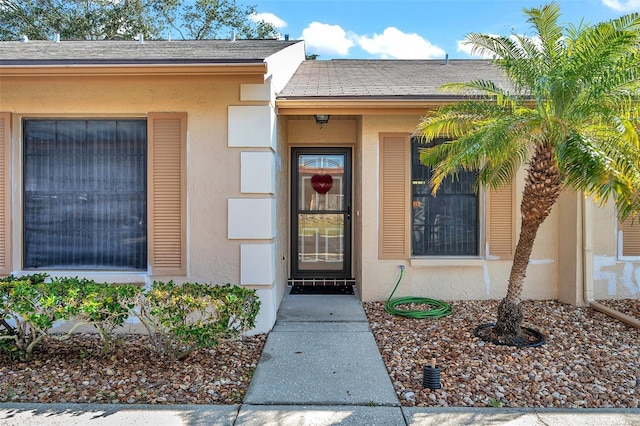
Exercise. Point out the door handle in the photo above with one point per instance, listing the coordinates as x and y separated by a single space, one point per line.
348 212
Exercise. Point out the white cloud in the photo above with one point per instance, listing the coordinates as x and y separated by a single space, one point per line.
623 5
464 47
393 43
467 48
269 18
327 39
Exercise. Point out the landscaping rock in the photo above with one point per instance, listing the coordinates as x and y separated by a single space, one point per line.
590 360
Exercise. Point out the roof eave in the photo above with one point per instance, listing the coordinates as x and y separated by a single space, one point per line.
257 69
360 105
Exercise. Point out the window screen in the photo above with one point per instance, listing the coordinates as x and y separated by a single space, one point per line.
85 194
447 224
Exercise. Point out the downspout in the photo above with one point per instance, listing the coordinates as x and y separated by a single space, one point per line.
587 268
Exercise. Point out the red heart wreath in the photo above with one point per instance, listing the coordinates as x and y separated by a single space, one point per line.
321 183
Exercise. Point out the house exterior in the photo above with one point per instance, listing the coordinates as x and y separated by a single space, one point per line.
211 161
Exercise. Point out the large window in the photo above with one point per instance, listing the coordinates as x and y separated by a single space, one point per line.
85 194
447 224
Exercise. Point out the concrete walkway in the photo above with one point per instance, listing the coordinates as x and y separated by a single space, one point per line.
321 360
320 366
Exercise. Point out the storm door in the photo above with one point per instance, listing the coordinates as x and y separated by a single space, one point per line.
321 214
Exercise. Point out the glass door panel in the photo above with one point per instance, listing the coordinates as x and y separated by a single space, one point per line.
321 212
321 242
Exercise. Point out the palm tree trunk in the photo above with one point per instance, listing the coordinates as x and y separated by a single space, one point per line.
541 191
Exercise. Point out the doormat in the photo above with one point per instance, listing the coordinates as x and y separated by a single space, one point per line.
321 289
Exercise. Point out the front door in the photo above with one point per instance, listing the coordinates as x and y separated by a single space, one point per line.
321 214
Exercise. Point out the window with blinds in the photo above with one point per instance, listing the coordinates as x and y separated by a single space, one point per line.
445 224
85 194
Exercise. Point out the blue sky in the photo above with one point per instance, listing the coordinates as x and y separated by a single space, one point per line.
414 29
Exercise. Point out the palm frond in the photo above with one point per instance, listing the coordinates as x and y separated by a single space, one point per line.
495 148
582 88
453 121
484 89
603 165
545 22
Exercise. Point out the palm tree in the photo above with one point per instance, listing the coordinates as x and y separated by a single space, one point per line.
571 114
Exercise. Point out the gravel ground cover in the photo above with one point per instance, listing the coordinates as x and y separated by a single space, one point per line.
73 370
589 359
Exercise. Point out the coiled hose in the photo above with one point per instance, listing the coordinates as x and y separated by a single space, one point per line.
437 308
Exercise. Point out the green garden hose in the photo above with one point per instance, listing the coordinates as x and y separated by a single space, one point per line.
437 308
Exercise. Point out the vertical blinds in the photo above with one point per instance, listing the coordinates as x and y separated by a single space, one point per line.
85 194
445 224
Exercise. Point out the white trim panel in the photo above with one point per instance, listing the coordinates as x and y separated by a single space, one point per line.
251 127
251 218
257 172
257 264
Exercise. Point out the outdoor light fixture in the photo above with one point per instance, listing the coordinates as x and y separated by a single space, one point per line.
322 118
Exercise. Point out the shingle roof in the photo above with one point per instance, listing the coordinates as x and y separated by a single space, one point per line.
409 79
132 52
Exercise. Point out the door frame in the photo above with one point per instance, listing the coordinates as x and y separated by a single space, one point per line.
346 272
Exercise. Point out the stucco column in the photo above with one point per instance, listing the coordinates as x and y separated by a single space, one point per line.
570 267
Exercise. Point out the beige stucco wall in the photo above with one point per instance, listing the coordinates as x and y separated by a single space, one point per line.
448 279
213 169
614 276
283 208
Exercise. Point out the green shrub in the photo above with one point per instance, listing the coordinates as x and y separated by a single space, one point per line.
182 318
178 318
33 306
4 290
106 306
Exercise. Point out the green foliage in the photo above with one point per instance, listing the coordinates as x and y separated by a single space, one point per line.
568 107
182 318
495 402
33 306
76 19
573 89
210 19
109 20
106 307
178 318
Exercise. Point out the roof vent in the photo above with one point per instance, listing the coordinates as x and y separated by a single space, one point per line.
140 38
24 38
233 36
56 38
286 37
446 59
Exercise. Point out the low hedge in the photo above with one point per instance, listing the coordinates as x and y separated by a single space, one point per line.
179 318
